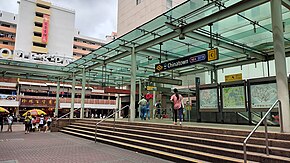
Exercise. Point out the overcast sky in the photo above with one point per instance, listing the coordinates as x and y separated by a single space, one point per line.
94 18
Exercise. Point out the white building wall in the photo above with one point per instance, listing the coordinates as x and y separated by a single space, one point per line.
8 17
26 14
61 32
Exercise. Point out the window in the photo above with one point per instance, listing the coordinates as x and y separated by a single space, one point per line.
75 39
37 34
4 42
84 49
5 25
75 47
138 2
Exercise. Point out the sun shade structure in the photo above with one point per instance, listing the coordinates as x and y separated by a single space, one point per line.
241 30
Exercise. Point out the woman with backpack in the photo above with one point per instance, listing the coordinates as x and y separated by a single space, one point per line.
177 100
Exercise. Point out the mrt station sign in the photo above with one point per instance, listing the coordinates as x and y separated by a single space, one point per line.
206 56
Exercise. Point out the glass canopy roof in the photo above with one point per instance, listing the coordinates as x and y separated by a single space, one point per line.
240 29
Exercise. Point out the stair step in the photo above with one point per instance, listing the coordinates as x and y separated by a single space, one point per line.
218 143
190 146
165 155
203 155
231 138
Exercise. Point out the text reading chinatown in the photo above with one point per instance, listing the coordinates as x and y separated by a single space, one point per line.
205 56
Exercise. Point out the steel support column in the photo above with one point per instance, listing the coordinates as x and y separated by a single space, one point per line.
57 98
280 63
73 97
133 84
83 94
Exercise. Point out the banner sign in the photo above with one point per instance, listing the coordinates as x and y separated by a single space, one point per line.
45 28
233 77
151 88
205 56
28 102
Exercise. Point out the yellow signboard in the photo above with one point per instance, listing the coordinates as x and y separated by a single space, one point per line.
151 88
233 77
212 55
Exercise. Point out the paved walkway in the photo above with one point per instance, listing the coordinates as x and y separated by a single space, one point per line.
54 147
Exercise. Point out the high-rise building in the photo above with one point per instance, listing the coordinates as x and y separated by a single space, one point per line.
83 45
133 13
43 33
8 25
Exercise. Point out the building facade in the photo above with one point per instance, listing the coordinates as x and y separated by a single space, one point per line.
133 13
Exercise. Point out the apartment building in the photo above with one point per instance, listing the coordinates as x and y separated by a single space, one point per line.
83 45
8 25
45 33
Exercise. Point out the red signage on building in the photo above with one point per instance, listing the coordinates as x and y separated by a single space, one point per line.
45 27
28 102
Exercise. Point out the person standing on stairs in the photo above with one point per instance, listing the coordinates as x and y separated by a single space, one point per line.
177 100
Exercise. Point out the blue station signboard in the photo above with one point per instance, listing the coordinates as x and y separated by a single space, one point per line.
206 56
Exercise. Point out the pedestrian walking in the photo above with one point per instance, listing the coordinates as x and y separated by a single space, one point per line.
177 101
10 122
142 104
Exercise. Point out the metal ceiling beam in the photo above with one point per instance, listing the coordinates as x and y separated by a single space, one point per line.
225 45
193 72
286 3
16 69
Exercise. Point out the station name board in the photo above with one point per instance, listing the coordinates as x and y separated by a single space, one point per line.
209 55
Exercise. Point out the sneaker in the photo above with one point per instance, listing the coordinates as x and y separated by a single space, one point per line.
174 123
180 123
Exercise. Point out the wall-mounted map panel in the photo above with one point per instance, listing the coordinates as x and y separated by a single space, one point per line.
209 99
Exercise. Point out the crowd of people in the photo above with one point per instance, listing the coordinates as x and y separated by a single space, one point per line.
33 123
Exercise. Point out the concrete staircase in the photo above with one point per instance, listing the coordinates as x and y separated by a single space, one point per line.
185 143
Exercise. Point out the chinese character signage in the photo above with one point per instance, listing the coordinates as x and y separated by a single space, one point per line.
45 28
28 102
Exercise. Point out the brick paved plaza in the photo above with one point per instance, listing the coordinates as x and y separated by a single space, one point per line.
56 147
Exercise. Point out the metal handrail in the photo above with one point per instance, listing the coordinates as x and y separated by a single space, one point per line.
66 114
97 123
266 130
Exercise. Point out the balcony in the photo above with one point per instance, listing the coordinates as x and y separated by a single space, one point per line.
8 29
38 19
79 51
86 45
38 49
10 47
43 3
7 39
37 29
42 10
